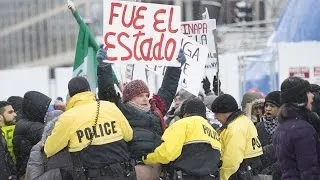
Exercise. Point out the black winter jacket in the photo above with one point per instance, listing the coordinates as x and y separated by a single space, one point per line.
146 126
29 128
264 137
7 168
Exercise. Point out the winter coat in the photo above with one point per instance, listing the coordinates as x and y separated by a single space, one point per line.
36 166
75 127
210 118
28 130
297 147
190 145
7 167
239 145
147 126
264 137
39 167
271 166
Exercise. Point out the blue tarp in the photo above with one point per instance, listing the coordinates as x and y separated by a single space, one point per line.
300 21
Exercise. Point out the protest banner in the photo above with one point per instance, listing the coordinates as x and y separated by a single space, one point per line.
193 69
141 32
202 32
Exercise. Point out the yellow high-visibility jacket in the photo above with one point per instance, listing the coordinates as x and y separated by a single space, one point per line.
8 135
186 135
76 126
239 141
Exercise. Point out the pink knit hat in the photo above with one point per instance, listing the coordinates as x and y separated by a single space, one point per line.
133 89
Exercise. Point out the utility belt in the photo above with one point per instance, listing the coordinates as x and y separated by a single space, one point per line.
179 175
246 171
125 168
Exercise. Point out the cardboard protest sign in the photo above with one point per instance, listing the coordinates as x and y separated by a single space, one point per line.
141 32
8 135
202 32
193 69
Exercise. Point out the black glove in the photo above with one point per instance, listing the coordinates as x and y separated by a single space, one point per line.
181 58
206 85
216 85
102 55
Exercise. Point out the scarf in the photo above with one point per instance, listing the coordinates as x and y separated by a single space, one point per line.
139 107
270 124
157 106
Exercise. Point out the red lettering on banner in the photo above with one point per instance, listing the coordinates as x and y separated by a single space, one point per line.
108 45
170 22
143 47
154 48
139 17
198 28
174 45
136 44
157 53
112 14
147 42
124 46
134 17
124 15
157 21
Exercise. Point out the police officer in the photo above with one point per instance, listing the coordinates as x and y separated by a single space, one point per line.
191 145
240 144
95 132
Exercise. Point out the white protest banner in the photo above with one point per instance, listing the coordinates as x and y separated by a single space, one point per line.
193 69
141 32
202 32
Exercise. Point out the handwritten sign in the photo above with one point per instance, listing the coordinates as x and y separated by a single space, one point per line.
141 32
202 32
193 69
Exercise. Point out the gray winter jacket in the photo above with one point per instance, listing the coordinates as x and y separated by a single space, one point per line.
36 166
37 163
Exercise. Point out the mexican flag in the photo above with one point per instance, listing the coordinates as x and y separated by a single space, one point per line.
85 63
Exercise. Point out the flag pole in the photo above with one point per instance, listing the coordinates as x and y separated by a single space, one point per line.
92 40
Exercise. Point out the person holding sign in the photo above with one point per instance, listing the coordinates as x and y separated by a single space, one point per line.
146 116
240 145
190 145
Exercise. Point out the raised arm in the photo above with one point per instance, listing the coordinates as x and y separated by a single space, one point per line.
106 90
170 82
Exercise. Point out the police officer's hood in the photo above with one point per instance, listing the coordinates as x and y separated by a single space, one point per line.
80 98
35 106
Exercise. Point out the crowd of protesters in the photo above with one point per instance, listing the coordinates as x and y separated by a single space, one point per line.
168 135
